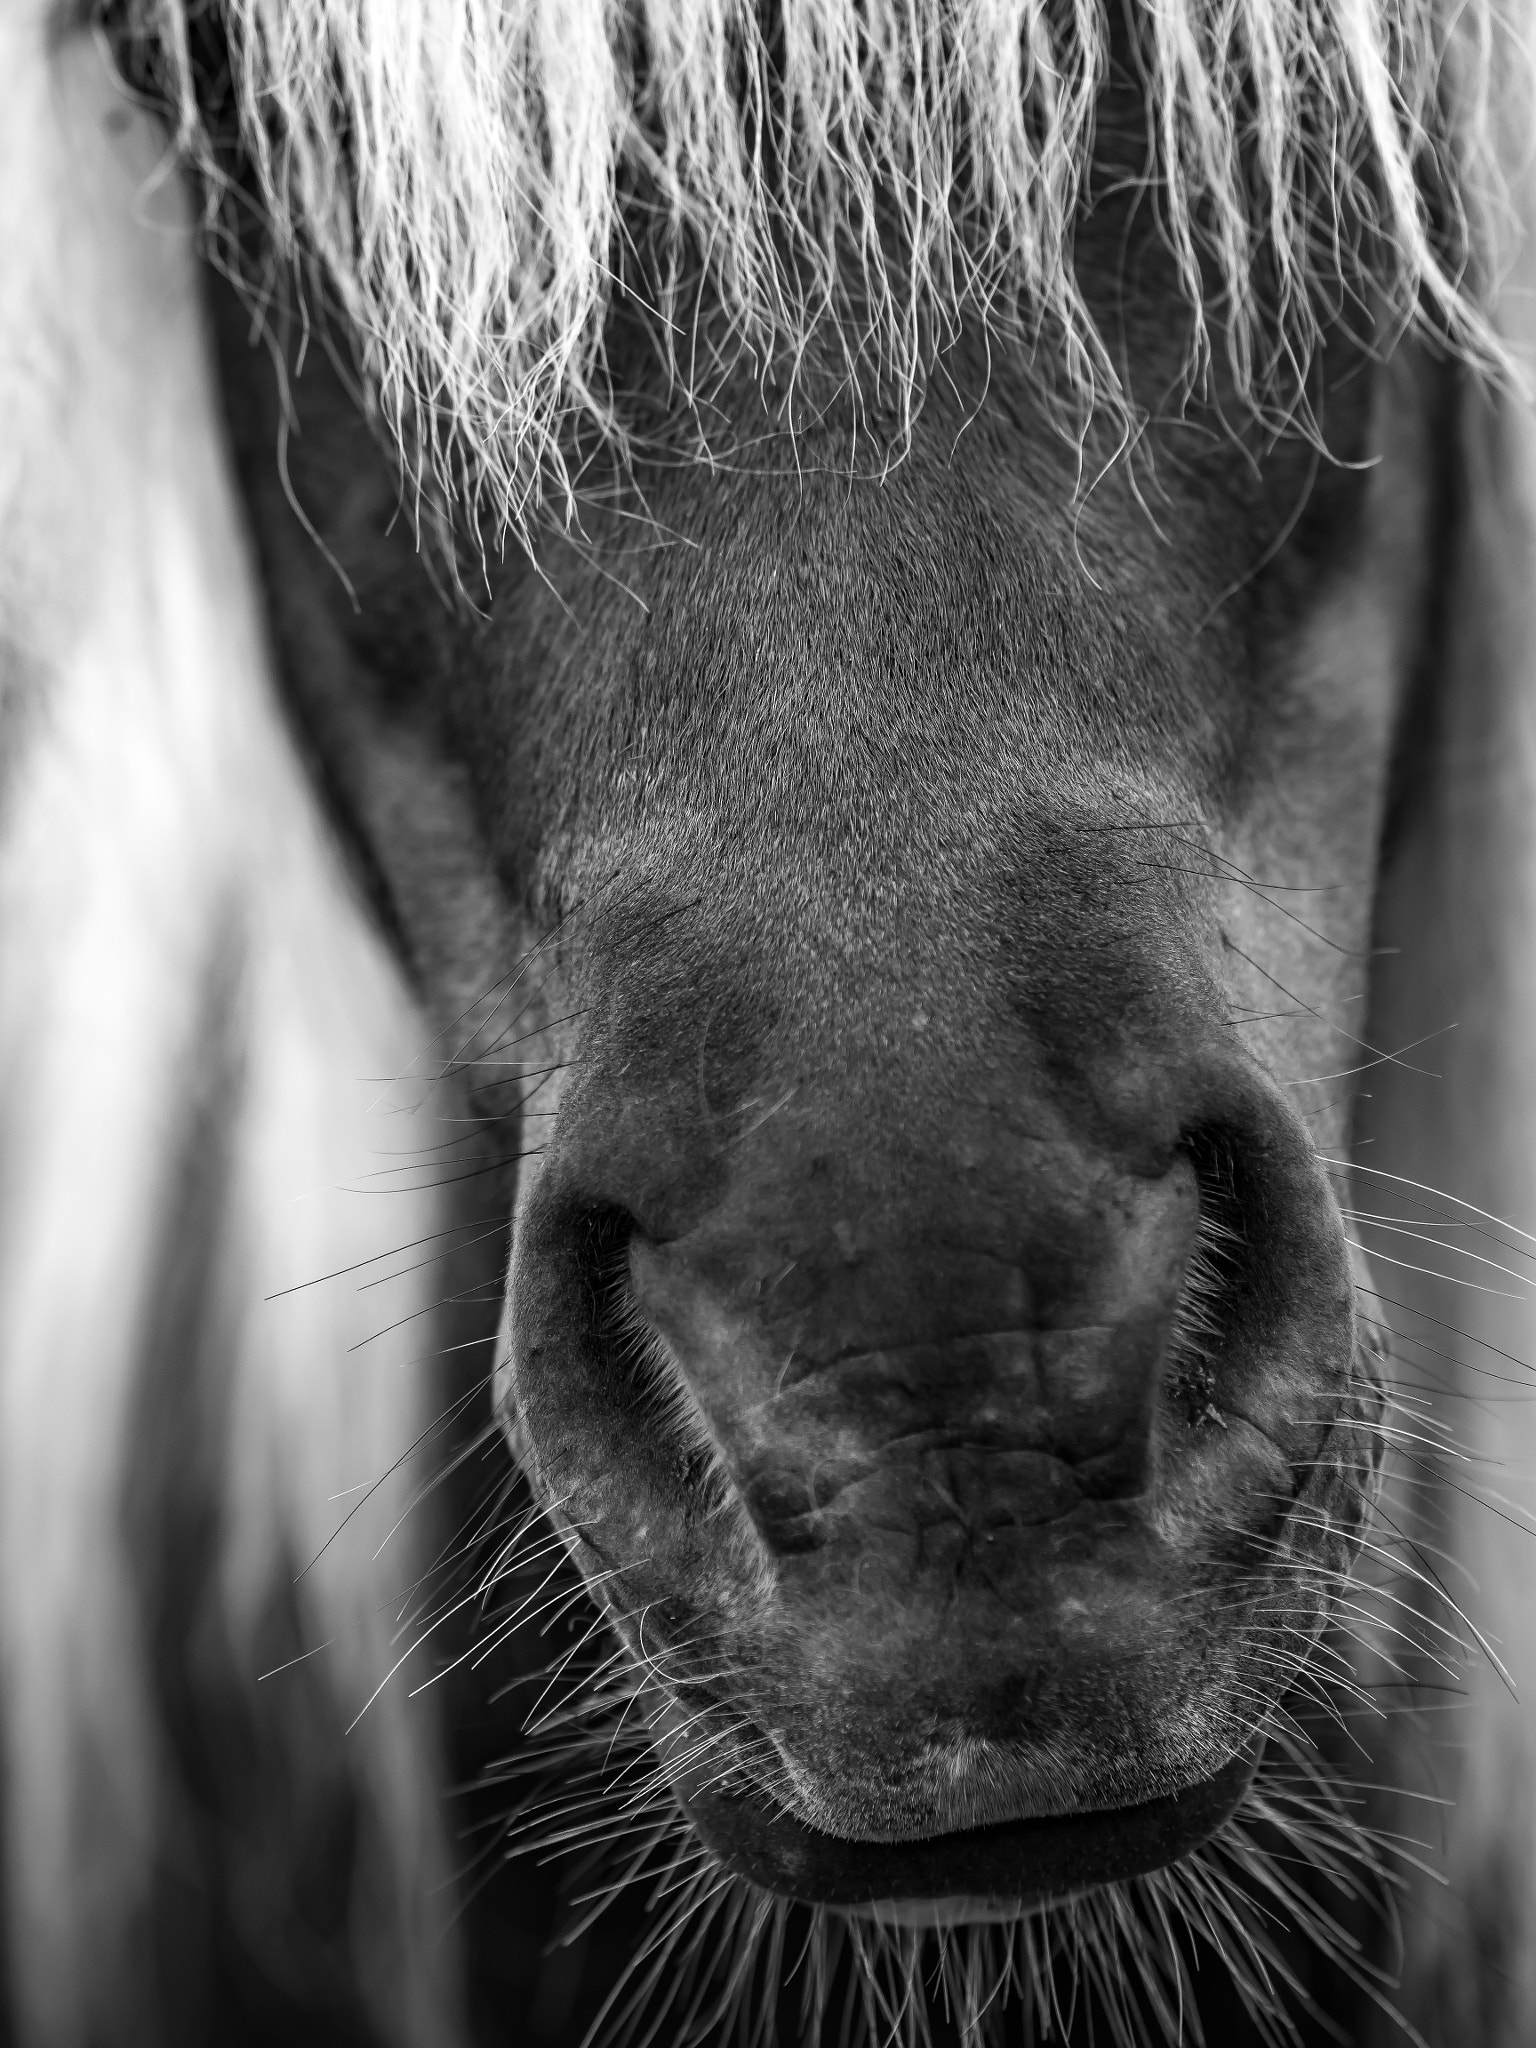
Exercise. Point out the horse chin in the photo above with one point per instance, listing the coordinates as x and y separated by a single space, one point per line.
990 1873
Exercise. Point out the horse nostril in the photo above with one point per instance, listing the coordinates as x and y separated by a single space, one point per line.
640 1375
603 1235
1213 1277
600 1234
1264 1329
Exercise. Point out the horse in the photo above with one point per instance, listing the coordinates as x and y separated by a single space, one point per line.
766 872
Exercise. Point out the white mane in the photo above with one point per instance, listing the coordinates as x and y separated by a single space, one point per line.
459 168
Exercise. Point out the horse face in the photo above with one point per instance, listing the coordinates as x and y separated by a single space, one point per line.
916 927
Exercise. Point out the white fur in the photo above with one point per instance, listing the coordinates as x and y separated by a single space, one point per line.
454 164
150 811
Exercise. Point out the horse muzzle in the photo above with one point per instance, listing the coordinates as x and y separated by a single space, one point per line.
958 1488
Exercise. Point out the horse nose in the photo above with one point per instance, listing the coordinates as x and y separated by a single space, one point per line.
900 1422
854 1318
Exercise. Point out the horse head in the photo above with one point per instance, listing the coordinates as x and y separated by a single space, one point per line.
909 927
880 619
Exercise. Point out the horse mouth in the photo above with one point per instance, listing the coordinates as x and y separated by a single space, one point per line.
992 1872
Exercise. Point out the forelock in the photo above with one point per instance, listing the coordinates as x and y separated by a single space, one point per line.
470 177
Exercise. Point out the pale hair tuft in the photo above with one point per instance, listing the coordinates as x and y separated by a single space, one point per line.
459 169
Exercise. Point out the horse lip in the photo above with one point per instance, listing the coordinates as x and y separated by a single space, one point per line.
995 1872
